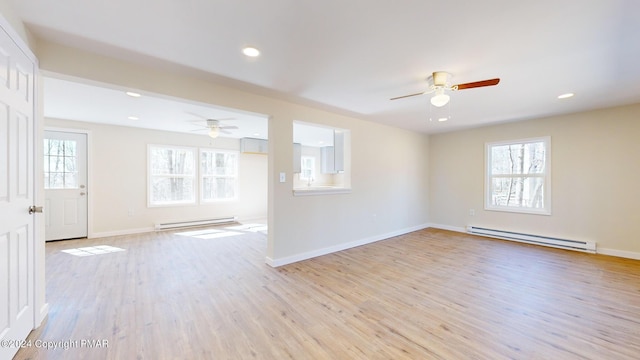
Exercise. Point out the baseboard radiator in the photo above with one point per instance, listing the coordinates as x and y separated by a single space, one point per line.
191 223
584 246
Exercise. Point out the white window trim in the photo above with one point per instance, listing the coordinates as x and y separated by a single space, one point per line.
202 176
547 177
150 176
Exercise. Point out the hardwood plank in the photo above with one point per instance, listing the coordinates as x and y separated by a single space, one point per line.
431 294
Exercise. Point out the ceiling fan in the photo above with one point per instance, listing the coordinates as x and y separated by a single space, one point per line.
439 82
215 127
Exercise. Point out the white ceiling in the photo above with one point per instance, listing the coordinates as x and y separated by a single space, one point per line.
353 56
71 100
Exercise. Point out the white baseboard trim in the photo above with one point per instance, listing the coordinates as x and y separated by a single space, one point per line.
120 232
448 227
618 253
252 219
339 247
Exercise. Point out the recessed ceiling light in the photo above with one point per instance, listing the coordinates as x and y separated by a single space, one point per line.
565 96
133 118
256 134
133 94
251 51
443 119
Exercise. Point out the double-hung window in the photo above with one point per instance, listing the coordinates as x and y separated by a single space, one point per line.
219 175
308 168
172 175
518 176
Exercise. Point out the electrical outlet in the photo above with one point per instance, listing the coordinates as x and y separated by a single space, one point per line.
472 212
283 177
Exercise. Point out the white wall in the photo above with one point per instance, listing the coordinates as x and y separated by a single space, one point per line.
389 171
118 165
595 172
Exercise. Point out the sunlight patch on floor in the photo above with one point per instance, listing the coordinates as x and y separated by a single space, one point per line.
249 227
93 250
225 232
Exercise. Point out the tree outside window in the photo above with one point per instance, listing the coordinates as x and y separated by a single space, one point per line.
219 175
172 175
518 176
60 164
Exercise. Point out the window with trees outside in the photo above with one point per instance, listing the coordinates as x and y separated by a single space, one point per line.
308 168
219 175
60 164
172 175
518 176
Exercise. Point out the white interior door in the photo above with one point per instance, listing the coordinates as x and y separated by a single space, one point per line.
65 183
17 240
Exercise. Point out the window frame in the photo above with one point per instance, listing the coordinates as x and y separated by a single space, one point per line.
233 176
545 176
151 177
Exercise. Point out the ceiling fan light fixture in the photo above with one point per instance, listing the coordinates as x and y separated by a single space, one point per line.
214 132
440 99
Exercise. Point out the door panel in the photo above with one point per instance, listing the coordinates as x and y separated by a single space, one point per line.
65 159
17 241
4 153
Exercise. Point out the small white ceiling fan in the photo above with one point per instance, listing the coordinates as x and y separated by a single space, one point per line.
439 84
215 127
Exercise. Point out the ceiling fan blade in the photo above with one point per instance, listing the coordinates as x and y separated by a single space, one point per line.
476 84
228 127
405 96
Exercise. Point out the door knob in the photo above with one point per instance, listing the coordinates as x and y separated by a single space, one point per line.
35 209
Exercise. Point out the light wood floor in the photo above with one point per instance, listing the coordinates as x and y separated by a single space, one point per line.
431 294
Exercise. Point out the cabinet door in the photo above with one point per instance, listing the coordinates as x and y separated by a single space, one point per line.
297 158
327 160
338 152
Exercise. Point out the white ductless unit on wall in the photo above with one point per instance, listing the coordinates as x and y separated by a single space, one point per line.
253 146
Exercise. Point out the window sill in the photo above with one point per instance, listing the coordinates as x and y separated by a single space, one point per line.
320 190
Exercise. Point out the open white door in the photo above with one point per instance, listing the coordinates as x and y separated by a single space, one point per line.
17 179
65 183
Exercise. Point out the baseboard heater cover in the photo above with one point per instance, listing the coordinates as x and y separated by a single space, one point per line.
191 223
584 246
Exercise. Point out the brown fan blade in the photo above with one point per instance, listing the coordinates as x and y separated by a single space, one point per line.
476 84
405 96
